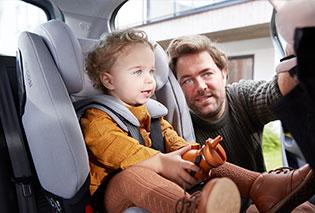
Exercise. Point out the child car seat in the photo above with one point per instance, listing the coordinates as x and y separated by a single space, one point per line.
53 68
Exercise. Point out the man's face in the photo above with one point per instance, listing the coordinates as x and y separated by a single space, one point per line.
203 84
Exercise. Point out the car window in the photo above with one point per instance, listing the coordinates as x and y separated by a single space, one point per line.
143 12
15 17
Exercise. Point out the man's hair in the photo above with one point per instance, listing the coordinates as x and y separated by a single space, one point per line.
102 58
193 44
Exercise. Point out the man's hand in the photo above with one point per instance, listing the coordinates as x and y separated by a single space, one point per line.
286 82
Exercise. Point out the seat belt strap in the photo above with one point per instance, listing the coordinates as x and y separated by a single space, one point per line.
14 141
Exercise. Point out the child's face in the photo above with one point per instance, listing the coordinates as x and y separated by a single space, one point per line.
131 78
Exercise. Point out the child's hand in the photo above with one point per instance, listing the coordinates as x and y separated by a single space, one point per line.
173 167
176 169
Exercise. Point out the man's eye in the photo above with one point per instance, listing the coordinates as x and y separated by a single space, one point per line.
207 74
187 82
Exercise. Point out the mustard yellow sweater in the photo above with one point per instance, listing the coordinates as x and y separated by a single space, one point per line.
110 148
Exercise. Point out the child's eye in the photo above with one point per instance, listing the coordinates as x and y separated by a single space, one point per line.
152 71
137 72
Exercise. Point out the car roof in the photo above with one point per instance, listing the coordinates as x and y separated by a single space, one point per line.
87 18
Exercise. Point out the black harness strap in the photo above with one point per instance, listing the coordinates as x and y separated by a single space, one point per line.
156 135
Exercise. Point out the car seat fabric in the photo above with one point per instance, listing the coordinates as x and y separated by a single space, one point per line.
171 95
49 120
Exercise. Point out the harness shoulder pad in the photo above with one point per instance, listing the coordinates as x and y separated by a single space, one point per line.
111 106
156 109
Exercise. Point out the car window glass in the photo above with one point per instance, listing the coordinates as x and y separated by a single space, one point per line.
15 17
143 12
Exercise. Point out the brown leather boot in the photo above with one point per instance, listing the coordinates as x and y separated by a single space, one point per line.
219 195
283 189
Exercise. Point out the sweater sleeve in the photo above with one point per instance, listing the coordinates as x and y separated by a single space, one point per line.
108 144
257 98
172 140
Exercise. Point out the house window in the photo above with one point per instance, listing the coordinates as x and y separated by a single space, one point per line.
240 67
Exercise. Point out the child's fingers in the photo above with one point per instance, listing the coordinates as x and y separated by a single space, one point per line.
182 150
188 179
190 166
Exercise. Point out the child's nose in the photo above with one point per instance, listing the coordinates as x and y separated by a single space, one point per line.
149 78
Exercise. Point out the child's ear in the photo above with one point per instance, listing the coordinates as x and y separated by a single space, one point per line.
106 80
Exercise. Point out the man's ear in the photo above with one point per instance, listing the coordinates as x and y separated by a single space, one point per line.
106 80
225 75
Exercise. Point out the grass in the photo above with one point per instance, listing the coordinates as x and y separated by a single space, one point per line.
271 149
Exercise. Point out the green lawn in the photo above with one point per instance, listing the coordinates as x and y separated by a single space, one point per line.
271 149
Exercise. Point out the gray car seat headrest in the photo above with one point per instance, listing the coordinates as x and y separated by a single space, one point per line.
161 65
66 51
64 45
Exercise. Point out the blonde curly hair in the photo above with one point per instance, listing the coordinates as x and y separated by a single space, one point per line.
192 44
102 58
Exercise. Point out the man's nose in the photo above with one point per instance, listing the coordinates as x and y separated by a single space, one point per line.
201 84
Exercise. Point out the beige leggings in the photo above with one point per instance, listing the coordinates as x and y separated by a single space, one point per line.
141 187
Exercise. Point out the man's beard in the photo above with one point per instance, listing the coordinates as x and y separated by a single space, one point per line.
211 115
